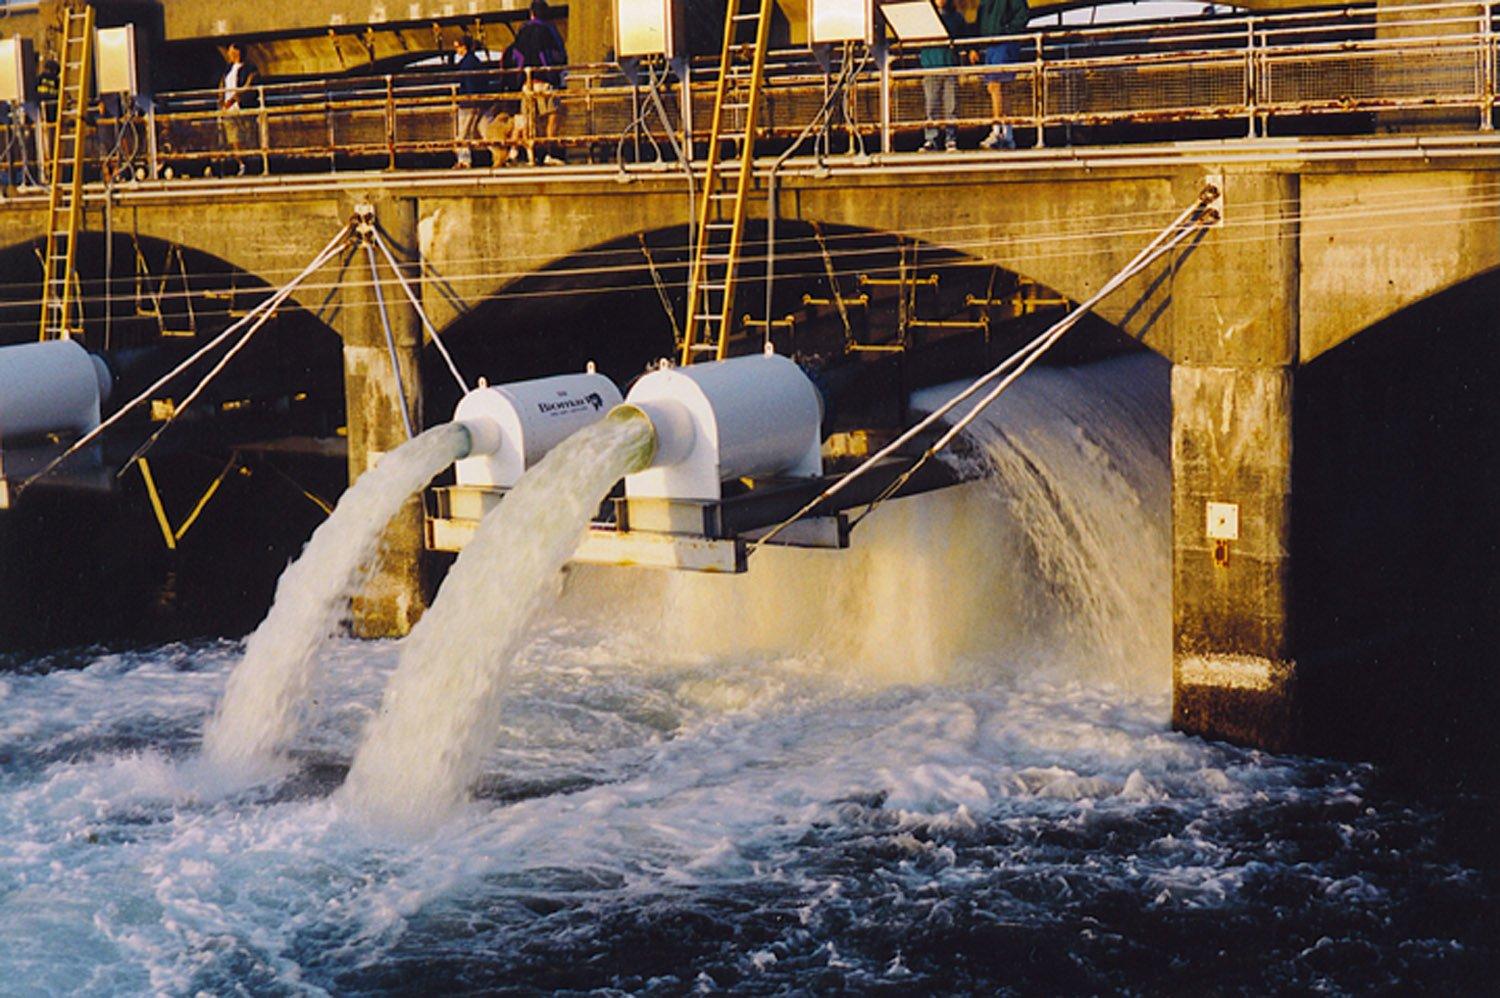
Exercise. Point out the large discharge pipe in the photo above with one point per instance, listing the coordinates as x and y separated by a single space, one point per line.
512 426
54 386
747 416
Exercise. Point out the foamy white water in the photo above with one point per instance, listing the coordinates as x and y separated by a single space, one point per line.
268 691
440 714
665 810
1058 560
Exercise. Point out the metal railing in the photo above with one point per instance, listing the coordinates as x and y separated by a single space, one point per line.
1291 73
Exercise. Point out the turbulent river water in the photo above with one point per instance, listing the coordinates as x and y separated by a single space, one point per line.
939 761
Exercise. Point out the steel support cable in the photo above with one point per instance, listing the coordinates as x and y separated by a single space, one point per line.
976 245
685 159
390 343
264 314
661 288
1159 245
416 304
1257 237
323 257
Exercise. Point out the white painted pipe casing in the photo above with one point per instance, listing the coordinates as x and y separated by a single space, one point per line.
756 415
54 386
513 426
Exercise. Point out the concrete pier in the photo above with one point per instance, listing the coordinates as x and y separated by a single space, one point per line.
393 599
1235 341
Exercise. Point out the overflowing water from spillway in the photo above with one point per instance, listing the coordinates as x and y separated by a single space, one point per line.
939 761
440 713
267 693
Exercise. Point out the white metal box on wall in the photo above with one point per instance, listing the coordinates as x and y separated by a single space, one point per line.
117 61
17 70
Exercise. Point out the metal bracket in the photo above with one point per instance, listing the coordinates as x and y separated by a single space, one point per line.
1212 198
364 222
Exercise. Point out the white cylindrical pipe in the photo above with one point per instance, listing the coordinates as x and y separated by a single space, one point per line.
50 387
750 416
513 426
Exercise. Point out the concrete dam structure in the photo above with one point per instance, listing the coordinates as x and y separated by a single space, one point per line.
1327 340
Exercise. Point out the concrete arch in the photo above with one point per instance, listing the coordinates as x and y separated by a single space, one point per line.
143 327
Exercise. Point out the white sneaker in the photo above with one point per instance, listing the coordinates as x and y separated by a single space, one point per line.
927 147
950 146
553 161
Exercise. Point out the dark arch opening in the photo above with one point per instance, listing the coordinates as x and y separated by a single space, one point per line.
1395 479
604 305
80 565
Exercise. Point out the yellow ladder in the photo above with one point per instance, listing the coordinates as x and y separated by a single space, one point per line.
60 307
721 212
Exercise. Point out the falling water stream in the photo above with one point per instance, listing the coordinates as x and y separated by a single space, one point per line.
267 693
440 714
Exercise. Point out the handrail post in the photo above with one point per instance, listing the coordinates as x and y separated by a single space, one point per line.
591 113
152 164
390 121
528 88
685 82
883 62
263 130
1487 67
453 96
1251 76
328 122
1039 93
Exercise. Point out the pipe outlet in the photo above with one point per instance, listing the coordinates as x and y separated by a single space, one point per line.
672 430
485 436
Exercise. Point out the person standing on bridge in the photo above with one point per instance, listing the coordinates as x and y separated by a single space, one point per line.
1000 17
539 51
470 99
234 97
940 89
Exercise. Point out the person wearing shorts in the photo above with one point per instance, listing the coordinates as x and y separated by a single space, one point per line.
236 128
539 50
1001 17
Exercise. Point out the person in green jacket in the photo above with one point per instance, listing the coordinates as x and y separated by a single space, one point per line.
1000 17
939 89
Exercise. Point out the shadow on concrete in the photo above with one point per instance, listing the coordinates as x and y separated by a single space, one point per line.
1395 474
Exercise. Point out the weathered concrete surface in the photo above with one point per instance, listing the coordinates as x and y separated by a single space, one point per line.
1235 323
475 245
392 600
1373 243
1233 669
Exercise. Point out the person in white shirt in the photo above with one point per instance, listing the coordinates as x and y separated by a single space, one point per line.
234 97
